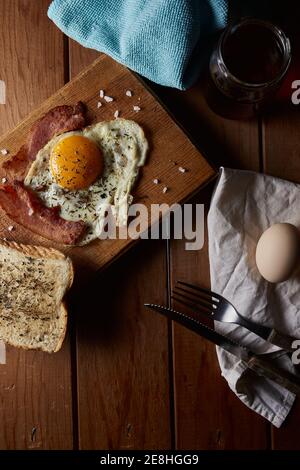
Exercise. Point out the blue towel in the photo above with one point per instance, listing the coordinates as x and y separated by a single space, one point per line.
166 41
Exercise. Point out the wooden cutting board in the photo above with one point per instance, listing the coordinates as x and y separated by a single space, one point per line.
168 144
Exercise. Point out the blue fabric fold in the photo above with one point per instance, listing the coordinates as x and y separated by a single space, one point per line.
166 41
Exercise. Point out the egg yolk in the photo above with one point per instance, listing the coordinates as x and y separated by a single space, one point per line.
76 162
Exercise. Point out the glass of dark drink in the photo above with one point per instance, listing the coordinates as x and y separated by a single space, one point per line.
247 66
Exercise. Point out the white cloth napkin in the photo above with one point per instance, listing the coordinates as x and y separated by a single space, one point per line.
245 204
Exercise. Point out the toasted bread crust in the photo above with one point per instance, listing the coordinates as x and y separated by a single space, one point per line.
65 316
32 250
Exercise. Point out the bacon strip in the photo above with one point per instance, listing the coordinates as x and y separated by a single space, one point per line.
23 206
19 202
58 120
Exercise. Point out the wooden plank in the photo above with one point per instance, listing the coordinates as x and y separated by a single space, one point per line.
207 413
281 159
167 143
281 145
122 350
35 390
123 378
223 142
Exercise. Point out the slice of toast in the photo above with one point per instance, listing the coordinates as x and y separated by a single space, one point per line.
33 282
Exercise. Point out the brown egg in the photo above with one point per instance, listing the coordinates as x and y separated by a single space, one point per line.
277 252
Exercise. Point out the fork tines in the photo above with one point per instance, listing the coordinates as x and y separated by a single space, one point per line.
195 297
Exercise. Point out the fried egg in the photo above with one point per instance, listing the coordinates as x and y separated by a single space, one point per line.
84 171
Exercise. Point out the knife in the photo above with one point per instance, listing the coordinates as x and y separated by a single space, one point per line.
260 364
210 304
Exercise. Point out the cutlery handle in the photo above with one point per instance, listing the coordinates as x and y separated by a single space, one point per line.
268 369
271 335
283 341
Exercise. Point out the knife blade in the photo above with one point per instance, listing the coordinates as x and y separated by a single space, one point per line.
261 364
195 325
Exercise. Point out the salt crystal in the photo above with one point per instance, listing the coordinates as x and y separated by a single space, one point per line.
4 180
136 109
155 181
182 170
101 93
165 189
4 151
128 93
99 104
10 228
116 114
30 212
108 99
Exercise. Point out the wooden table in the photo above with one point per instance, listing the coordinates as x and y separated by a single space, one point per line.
125 378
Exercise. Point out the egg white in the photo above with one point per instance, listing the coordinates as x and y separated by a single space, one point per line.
124 148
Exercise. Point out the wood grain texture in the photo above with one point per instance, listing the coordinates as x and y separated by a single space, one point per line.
122 350
207 414
122 358
168 143
281 158
35 390
224 142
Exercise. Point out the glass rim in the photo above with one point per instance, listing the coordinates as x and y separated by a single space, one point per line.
284 41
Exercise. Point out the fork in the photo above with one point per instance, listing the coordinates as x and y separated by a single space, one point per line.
212 305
